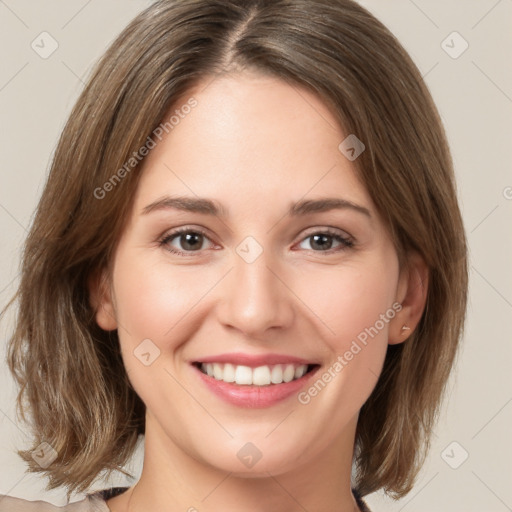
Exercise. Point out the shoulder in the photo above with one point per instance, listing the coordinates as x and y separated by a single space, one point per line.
92 503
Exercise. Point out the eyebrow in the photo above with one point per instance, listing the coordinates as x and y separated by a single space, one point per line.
211 207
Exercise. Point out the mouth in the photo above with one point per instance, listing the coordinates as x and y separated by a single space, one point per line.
259 376
254 381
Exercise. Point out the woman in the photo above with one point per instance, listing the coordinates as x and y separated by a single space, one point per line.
249 249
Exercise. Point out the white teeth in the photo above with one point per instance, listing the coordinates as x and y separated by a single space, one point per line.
218 372
229 373
289 373
276 376
260 376
300 371
243 375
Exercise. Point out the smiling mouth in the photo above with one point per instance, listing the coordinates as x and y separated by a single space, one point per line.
266 375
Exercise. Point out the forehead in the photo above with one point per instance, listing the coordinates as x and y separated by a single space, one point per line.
249 137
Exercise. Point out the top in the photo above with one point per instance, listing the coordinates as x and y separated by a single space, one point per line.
94 502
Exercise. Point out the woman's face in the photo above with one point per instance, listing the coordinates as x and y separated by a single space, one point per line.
284 267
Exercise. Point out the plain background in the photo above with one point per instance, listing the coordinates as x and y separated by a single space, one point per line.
473 92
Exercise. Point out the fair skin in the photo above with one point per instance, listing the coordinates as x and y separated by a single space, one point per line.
254 145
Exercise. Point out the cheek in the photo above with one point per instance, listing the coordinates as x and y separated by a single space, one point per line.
151 299
155 314
351 301
355 305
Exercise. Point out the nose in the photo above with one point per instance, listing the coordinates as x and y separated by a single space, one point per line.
255 298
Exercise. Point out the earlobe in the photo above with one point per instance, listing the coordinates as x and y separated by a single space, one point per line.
100 297
412 295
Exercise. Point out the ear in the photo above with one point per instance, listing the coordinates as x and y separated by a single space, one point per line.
412 295
100 297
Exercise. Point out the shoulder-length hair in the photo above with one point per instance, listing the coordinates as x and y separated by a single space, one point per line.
70 372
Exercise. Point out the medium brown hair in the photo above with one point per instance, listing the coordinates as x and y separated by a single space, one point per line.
70 372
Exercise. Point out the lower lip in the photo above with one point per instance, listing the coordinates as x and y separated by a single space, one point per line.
254 396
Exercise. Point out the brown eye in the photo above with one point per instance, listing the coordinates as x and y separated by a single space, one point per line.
324 241
190 241
184 241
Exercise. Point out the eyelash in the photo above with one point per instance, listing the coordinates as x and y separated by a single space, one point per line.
346 243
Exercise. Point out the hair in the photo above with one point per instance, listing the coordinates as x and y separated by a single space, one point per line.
70 372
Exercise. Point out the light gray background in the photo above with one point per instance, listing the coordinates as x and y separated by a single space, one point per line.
474 95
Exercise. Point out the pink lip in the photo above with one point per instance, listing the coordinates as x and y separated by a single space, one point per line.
254 397
253 361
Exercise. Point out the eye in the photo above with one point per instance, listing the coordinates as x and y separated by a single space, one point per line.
184 240
323 241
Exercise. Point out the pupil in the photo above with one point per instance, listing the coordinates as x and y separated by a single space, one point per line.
324 241
191 240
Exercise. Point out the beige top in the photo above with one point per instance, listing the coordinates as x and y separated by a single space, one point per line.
92 503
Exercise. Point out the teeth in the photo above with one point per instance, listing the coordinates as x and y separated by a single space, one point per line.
300 371
289 373
243 375
276 375
260 376
229 373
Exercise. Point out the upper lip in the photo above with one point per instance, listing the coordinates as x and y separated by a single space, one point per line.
253 361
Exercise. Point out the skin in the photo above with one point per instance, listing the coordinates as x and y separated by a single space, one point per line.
254 144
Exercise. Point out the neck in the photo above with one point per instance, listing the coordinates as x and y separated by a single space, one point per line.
173 480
